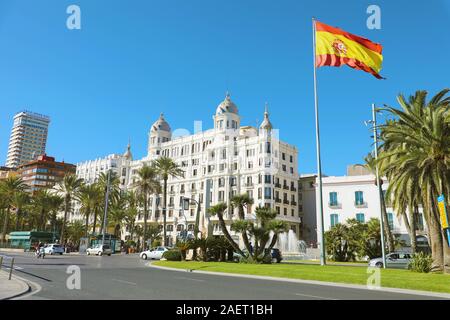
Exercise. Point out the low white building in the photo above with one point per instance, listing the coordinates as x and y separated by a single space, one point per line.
354 196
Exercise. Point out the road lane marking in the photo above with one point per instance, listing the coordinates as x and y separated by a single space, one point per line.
311 296
184 278
123 281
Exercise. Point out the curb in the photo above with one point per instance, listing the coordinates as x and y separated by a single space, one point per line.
315 282
25 288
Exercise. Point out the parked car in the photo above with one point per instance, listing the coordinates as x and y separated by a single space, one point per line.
275 254
53 249
99 249
154 253
393 260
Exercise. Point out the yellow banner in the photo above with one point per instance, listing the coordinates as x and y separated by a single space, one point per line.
443 213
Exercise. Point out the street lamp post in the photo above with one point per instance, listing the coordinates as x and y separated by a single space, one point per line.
378 180
197 216
105 214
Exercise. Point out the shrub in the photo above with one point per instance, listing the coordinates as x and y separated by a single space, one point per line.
420 262
172 255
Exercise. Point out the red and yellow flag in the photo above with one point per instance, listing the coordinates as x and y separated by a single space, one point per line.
336 47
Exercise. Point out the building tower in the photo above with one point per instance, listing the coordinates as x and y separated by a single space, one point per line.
128 155
28 138
159 132
266 127
227 116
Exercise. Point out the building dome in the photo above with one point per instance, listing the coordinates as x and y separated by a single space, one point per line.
127 155
161 124
266 124
227 106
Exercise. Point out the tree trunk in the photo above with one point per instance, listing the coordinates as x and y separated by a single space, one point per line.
41 220
413 227
164 211
144 236
95 221
227 234
387 230
437 252
244 232
86 223
5 223
18 214
66 209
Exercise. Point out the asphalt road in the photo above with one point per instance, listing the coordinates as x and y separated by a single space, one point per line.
128 277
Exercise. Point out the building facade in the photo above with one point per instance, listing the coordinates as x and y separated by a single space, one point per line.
354 196
44 172
218 163
28 138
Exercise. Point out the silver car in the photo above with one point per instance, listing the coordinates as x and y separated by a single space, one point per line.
393 260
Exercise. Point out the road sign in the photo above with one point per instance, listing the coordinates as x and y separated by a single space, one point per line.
443 211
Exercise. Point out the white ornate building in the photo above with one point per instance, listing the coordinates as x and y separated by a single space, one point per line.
219 163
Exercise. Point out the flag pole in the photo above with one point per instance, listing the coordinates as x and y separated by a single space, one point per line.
319 165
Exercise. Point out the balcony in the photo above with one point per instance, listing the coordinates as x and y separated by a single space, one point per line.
248 185
277 185
293 203
293 188
286 201
286 187
182 191
278 200
334 205
360 204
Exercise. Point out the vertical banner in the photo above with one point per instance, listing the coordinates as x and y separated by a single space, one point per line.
444 216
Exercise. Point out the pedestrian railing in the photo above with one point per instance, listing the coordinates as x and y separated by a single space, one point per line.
9 264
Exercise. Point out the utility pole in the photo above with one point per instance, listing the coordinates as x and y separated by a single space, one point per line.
380 191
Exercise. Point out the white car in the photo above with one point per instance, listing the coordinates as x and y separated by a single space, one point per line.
53 249
155 253
393 260
99 249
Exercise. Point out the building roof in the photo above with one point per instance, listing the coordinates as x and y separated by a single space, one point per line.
161 124
227 106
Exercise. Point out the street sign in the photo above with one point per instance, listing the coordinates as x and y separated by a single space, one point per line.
443 211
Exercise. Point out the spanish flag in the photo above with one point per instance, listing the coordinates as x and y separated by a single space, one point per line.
336 47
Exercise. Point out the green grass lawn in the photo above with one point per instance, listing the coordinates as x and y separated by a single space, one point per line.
392 278
355 263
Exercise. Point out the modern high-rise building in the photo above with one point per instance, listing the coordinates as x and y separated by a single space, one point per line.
28 138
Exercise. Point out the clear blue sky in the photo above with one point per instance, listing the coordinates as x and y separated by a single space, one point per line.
133 59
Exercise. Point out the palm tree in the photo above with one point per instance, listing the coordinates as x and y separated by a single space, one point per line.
68 187
166 168
241 201
218 210
55 204
20 200
416 145
117 213
41 203
103 185
147 184
89 198
9 188
371 166
131 212
75 231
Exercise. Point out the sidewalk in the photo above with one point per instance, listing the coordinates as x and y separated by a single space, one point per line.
11 288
